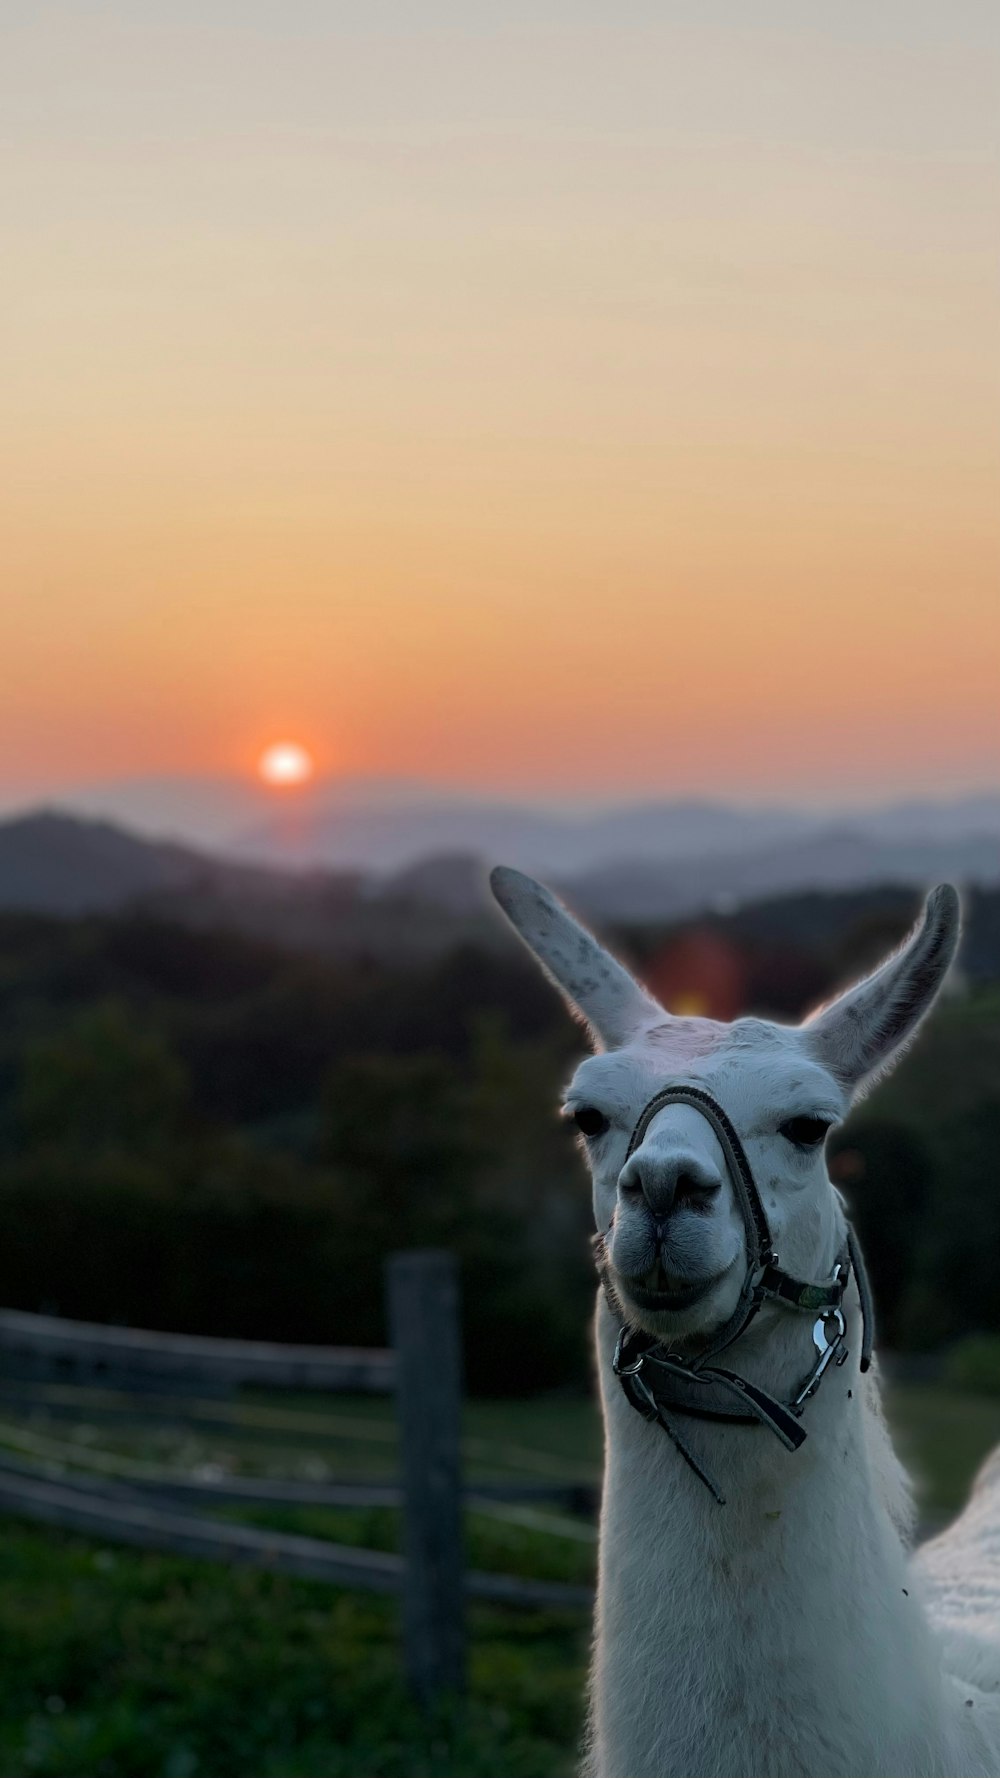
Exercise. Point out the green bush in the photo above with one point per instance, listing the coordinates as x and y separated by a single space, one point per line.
120 1202
974 1364
103 1080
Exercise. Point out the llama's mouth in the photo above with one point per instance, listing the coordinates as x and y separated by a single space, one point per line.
672 1299
661 1294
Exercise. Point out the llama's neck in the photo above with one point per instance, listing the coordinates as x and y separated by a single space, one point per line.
778 1634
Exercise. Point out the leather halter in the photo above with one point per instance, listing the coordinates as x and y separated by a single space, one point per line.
659 1383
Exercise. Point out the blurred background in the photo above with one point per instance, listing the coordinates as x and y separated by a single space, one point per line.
431 439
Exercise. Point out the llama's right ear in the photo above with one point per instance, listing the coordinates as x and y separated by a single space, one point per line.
860 1035
596 986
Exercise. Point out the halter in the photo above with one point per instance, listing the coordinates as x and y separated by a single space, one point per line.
659 1383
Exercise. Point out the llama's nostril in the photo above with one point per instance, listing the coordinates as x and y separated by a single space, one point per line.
697 1187
630 1181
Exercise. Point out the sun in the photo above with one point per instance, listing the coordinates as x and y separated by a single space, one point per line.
285 764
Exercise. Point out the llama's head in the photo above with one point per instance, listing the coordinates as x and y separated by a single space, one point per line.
676 1241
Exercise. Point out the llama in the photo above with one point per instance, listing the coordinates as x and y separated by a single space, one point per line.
758 1613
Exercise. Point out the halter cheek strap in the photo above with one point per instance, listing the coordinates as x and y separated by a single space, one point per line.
659 1383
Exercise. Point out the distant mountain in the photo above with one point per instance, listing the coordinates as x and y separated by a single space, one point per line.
52 862
393 835
454 881
681 849
217 812
192 811
831 859
957 818
386 825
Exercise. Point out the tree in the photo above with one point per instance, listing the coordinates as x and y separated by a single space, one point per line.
103 1082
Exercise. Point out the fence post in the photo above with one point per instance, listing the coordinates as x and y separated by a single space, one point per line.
424 1330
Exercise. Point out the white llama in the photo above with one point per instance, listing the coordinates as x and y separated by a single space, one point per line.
758 1613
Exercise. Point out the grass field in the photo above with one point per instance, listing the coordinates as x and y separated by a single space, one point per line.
116 1664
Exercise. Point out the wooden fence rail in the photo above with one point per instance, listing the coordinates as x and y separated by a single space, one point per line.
115 1517
99 1468
46 1345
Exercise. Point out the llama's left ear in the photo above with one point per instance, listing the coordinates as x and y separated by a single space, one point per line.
595 985
860 1034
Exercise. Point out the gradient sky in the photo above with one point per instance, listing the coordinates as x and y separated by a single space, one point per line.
544 397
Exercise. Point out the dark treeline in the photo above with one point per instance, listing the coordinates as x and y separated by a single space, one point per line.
203 1132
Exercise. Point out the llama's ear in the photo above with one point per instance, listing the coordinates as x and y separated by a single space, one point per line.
859 1035
595 984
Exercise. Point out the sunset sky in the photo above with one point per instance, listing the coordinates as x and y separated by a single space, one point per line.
544 398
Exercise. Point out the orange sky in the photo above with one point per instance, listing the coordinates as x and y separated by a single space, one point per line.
546 401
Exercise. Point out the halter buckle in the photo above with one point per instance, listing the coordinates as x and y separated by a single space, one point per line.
828 1334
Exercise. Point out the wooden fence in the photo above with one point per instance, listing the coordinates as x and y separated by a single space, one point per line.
136 1503
129 1357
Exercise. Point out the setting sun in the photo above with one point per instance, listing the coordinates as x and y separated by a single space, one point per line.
285 763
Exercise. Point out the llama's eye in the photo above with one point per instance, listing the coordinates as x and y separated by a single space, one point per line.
805 1132
590 1121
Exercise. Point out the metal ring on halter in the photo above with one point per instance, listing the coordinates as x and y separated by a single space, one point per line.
620 1369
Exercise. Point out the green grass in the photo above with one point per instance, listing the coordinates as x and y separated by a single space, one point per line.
942 1436
491 1543
120 1664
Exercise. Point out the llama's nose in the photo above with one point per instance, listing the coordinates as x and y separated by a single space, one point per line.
668 1179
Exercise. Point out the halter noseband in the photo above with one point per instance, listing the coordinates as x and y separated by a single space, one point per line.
659 1383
